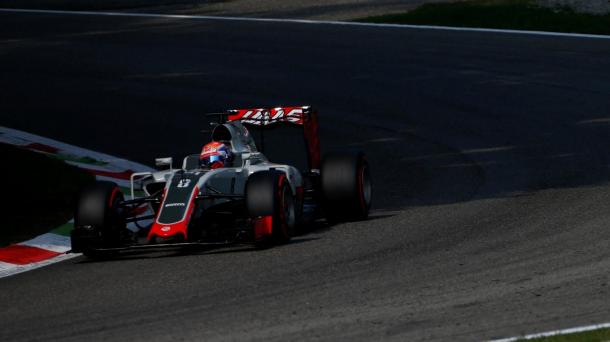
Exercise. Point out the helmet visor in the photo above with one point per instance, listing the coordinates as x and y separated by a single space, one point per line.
207 161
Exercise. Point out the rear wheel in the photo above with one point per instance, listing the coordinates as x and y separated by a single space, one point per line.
271 203
98 221
346 186
286 217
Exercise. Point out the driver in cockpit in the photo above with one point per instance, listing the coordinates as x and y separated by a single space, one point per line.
215 155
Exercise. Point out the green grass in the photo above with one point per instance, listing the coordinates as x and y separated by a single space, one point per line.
38 193
599 335
500 14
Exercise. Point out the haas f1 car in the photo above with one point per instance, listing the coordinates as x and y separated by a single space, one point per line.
274 183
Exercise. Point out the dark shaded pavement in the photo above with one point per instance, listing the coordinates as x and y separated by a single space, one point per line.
490 155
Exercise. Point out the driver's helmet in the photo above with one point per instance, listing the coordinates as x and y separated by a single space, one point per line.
215 155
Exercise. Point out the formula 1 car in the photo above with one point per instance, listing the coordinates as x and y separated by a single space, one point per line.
253 200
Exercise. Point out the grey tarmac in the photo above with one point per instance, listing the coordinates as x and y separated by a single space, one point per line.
489 154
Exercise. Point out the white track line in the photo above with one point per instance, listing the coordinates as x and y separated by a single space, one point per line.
556 332
304 21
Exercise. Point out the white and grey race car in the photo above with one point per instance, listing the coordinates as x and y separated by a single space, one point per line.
275 183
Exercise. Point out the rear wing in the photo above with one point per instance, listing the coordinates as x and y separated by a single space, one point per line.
302 116
268 116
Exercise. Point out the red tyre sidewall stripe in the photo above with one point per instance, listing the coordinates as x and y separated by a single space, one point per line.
112 196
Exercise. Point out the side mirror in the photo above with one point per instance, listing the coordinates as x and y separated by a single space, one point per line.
160 162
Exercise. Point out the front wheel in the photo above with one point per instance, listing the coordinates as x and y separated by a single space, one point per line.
271 204
98 221
346 186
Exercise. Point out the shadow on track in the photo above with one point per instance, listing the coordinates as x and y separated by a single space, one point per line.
303 236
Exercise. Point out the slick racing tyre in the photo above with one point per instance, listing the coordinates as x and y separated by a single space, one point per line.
98 221
270 200
346 186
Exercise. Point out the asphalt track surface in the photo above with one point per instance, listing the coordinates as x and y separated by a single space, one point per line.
490 154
